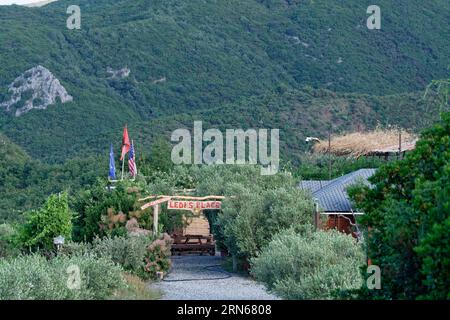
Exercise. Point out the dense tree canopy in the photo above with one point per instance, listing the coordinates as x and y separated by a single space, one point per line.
407 213
41 226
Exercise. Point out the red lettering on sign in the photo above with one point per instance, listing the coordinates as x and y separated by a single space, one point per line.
190 205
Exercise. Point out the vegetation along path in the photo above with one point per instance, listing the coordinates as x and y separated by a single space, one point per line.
203 278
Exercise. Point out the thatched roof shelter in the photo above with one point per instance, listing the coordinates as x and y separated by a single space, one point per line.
377 142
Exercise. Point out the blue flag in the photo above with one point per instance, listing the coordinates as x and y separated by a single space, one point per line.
112 164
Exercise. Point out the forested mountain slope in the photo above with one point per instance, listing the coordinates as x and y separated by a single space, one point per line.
139 61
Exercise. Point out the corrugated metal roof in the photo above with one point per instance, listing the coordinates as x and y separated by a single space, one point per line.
333 196
313 185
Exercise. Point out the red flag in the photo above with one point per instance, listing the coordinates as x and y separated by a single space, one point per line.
125 143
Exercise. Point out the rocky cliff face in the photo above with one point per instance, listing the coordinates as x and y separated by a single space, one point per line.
36 88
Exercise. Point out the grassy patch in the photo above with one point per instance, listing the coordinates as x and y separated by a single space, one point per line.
136 289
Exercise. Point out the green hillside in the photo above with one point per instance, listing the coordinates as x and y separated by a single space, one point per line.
194 59
299 114
25 183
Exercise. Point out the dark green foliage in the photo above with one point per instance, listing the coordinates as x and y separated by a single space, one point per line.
140 255
159 159
434 250
250 220
301 113
104 209
41 226
26 183
408 212
250 55
316 166
33 277
96 205
8 245
127 251
309 265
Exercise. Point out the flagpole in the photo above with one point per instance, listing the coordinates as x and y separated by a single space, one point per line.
125 133
134 155
123 165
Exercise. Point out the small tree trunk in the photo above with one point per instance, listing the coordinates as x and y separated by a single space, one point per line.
234 263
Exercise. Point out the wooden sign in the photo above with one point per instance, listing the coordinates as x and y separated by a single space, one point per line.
153 203
193 205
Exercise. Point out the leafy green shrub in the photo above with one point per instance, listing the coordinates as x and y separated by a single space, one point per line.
129 252
8 247
32 277
71 248
100 277
94 203
275 210
157 256
407 211
159 159
317 166
35 277
139 254
102 212
249 220
435 252
309 265
42 225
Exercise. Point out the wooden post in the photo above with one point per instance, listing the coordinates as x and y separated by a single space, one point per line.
155 219
316 216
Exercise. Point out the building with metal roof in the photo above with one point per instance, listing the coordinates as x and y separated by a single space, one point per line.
313 185
332 199
331 195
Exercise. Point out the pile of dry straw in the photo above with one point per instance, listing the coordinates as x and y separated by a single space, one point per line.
357 144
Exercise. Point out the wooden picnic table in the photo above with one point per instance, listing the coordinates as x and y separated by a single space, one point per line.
193 243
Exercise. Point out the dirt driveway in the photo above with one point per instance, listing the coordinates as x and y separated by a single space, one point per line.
202 278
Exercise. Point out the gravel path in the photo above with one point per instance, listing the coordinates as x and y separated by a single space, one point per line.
219 286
